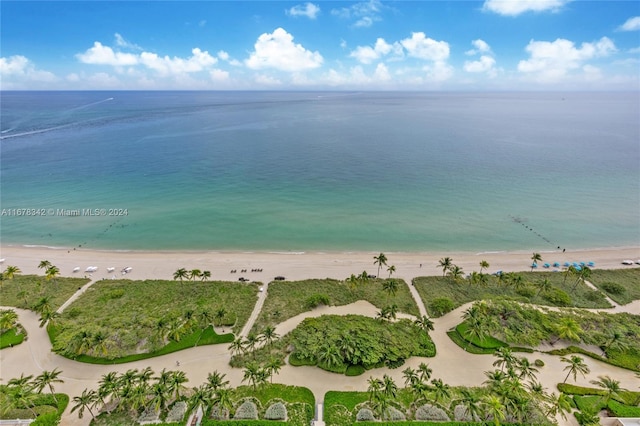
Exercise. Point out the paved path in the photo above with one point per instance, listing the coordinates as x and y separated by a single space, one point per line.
256 311
75 295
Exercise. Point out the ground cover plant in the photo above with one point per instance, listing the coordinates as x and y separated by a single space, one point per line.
564 289
286 299
29 397
608 395
11 332
523 325
27 291
119 318
621 285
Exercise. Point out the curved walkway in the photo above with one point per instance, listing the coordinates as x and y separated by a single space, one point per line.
451 363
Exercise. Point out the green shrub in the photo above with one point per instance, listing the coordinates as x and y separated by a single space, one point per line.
395 363
623 410
365 415
613 288
296 361
337 368
570 389
247 411
317 299
429 412
276 411
440 306
461 414
594 296
393 414
354 370
538 363
527 291
557 297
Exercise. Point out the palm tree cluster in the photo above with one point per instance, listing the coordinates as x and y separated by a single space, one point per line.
449 268
8 320
355 281
182 274
241 346
9 273
23 392
50 271
133 392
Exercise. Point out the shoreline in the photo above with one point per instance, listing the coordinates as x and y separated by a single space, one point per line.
295 265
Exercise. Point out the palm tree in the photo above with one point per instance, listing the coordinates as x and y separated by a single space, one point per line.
575 365
251 342
252 373
43 305
571 270
8 320
585 272
456 272
445 263
21 395
425 372
389 387
10 271
495 408
176 382
85 401
48 317
543 285
505 358
269 335
160 394
476 328
440 390
410 376
376 397
535 258
352 282
495 379
483 265
216 381
611 387
569 329
527 370
329 355
223 400
391 269
180 274
391 287
471 403
424 323
205 276
237 346
205 318
559 404
109 386
47 379
273 367
380 260
44 264
195 273
219 315
51 273
200 396
616 341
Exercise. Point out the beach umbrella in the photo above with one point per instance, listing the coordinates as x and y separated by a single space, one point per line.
556 265
578 268
591 264
567 264
534 265
546 265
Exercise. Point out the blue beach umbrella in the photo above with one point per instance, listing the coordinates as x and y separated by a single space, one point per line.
567 264
556 264
534 265
591 264
546 265
578 268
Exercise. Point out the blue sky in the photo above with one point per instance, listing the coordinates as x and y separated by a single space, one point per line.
334 45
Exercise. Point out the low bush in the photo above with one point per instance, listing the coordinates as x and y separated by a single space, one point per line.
570 389
429 412
295 361
461 414
622 410
354 370
613 288
276 411
394 415
538 363
557 297
247 411
395 363
317 299
527 291
365 415
440 306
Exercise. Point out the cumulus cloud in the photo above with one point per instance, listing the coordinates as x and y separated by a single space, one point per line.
517 7
308 10
422 47
364 13
199 61
18 70
480 45
104 55
368 54
125 44
632 24
552 61
277 50
219 75
486 62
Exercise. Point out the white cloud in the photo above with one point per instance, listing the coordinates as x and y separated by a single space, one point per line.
19 70
632 24
421 47
381 73
308 10
104 55
517 7
480 45
121 42
368 54
484 64
439 71
277 50
267 80
199 61
223 55
552 61
364 13
219 75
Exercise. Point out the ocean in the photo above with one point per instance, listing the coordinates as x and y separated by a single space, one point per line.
320 171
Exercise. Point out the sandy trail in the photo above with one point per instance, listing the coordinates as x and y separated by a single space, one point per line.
452 364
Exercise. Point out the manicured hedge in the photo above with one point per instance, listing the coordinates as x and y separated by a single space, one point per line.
355 370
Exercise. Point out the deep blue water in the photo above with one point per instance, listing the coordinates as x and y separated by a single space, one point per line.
322 171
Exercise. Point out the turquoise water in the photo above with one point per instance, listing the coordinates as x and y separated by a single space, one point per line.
293 171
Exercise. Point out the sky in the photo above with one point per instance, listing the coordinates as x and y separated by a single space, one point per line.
320 45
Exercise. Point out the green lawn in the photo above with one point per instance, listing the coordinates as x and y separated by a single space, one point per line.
462 291
132 317
24 291
287 299
626 283
13 337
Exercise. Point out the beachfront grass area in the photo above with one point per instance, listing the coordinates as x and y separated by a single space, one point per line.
621 285
562 290
118 318
24 291
519 325
48 408
286 299
12 337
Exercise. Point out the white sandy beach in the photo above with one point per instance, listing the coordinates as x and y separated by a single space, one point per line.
451 363
293 266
